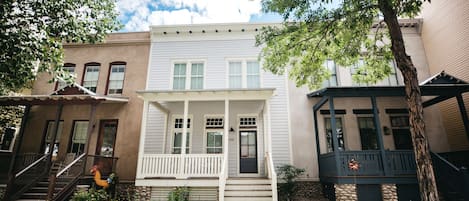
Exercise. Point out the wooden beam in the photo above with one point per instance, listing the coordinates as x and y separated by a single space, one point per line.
379 135
462 109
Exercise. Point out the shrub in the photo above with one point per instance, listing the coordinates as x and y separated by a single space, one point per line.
288 175
179 194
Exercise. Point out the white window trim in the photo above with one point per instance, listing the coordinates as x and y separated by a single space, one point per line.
173 130
222 130
188 63
243 71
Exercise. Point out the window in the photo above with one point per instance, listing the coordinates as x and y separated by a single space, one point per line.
91 75
368 136
177 135
188 78
339 131
214 132
70 68
79 135
392 80
49 135
244 74
332 81
116 78
355 72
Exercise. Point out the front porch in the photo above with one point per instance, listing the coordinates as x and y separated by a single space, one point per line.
204 138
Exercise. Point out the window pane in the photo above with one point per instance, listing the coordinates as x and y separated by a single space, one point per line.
90 81
235 73
79 136
116 79
179 79
252 74
339 132
367 133
197 76
107 147
332 81
50 129
71 71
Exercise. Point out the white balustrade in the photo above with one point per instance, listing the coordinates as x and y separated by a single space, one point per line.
181 165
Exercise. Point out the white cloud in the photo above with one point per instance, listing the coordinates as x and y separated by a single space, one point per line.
142 13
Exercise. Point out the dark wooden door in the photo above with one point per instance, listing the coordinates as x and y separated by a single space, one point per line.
248 152
105 145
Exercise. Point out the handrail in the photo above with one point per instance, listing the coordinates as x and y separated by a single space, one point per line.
70 165
445 161
222 182
31 166
271 174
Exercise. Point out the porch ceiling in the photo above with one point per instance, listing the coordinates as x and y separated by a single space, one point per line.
206 95
59 99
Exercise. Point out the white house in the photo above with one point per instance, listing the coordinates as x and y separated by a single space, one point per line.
213 120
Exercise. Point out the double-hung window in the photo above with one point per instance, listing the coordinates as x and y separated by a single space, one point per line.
339 133
79 137
332 81
391 80
355 72
177 135
244 74
91 75
214 130
70 69
116 78
49 136
188 75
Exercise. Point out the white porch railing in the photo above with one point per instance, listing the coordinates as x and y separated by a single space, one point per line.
271 174
181 165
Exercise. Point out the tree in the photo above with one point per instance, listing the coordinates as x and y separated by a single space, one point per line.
316 30
32 33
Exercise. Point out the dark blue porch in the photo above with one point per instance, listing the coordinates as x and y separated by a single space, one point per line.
399 167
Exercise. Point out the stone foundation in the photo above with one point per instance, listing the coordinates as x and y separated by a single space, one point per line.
345 192
308 190
389 192
142 193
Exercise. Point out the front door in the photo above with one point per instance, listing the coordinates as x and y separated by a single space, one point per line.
402 139
248 152
105 145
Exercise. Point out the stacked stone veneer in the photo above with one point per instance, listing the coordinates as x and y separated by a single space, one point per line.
345 192
389 192
142 193
348 192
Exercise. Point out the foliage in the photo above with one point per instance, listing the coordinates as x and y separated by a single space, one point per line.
316 30
288 174
180 193
10 116
90 195
32 32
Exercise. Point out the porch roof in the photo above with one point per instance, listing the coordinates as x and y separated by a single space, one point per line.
207 94
426 90
59 99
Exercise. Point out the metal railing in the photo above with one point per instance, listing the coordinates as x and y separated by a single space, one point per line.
62 184
27 177
453 182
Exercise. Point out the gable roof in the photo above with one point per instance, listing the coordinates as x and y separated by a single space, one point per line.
73 89
442 78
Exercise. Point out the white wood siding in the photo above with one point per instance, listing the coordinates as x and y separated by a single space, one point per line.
215 53
154 132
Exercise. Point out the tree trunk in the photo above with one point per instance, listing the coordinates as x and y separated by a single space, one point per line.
425 175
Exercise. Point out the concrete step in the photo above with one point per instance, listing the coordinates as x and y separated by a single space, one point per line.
239 187
248 193
248 198
247 181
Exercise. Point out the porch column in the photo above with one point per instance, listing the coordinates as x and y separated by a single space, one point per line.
268 133
226 135
184 127
462 109
91 125
379 135
335 141
143 129
55 130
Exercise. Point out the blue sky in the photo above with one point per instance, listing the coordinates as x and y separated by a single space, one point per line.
138 15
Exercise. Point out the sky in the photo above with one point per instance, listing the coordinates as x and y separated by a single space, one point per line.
138 15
